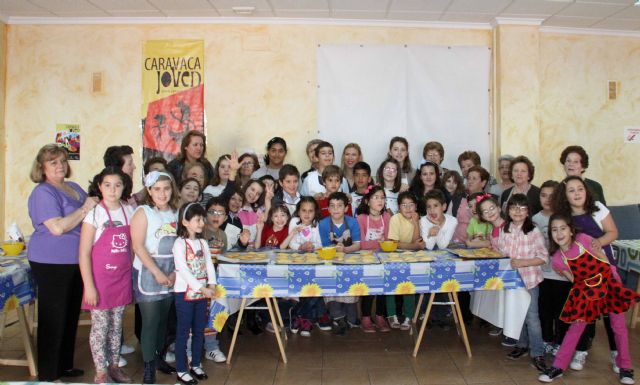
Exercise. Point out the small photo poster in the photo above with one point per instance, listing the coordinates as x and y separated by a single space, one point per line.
632 135
68 136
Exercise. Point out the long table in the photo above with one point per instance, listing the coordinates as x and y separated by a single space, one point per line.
446 274
628 255
17 291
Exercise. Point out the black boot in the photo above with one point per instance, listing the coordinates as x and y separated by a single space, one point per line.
163 366
149 374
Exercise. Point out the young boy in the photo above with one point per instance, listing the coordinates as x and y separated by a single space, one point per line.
237 238
436 227
343 232
311 154
312 184
287 194
361 180
331 177
555 288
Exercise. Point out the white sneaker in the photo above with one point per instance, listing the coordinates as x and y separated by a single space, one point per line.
393 322
170 357
126 349
122 363
614 355
579 359
406 324
215 356
269 328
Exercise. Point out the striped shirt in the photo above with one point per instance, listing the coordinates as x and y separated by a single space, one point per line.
518 245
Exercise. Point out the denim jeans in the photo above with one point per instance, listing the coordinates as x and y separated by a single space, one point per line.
191 318
310 308
531 334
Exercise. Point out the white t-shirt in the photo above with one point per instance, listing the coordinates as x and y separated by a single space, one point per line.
184 277
391 200
308 234
444 235
98 218
542 223
312 185
214 191
601 214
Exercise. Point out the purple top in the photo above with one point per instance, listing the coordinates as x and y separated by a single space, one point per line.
585 223
46 202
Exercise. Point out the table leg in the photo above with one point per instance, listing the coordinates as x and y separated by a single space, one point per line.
424 325
455 315
420 299
235 331
275 326
26 340
277 308
462 326
636 310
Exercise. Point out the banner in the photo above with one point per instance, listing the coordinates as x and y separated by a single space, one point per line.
172 95
68 136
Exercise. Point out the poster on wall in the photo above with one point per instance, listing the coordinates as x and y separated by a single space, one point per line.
632 135
172 95
68 136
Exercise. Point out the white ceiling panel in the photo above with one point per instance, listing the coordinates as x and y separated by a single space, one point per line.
79 13
419 5
623 2
534 7
414 16
459 17
300 4
65 6
591 10
123 5
303 13
483 6
134 13
188 5
627 13
620 24
360 5
570 22
260 5
256 13
22 8
346 14
190 13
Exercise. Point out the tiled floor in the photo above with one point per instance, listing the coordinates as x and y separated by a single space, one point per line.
375 359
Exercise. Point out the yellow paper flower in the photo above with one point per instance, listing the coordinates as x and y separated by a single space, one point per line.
262 290
221 292
405 287
311 290
359 289
450 285
11 304
494 283
219 320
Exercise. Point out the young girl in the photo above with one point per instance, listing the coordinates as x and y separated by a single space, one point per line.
223 181
373 220
254 206
478 232
237 238
404 227
351 155
524 244
197 171
399 150
596 290
276 230
426 179
593 219
189 190
195 282
389 178
454 184
153 231
105 241
303 227
248 165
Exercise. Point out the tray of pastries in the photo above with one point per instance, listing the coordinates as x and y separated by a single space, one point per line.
482 253
409 256
360 258
298 259
245 257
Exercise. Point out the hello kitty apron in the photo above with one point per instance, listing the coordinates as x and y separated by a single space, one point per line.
111 265
374 234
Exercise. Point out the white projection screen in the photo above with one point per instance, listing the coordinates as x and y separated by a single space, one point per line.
368 94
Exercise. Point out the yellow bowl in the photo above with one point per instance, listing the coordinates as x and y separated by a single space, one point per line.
327 253
388 246
12 248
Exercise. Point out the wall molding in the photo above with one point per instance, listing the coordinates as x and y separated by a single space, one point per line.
517 21
587 31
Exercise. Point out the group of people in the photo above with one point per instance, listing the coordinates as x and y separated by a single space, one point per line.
106 248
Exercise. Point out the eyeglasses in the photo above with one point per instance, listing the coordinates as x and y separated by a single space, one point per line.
391 169
247 164
518 209
407 205
216 213
489 210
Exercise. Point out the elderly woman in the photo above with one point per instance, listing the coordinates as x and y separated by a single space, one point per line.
575 161
56 208
521 172
504 165
193 149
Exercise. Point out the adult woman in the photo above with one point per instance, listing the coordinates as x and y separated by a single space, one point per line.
57 208
276 152
351 155
434 152
504 165
426 179
521 172
477 179
153 231
575 161
192 149
248 165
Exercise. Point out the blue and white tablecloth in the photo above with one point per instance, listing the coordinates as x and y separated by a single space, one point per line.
627 254
16 284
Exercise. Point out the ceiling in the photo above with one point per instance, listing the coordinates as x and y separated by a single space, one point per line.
617 15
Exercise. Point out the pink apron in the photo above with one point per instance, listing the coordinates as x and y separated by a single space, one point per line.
111 265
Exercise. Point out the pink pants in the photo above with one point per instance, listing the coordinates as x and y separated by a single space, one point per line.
568 347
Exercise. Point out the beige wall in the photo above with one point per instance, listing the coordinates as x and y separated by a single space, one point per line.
3 142
260 82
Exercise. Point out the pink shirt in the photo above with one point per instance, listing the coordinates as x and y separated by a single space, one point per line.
372 231
518 245
463 216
